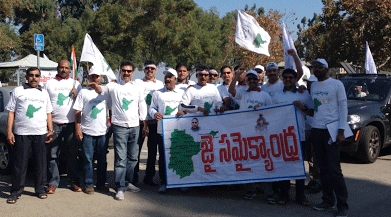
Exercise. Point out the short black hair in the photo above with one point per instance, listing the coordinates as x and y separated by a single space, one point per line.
180 65
32 69
290 71
226 66
149 62
126 63
202 68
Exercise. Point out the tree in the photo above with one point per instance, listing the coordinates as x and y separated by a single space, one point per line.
343 29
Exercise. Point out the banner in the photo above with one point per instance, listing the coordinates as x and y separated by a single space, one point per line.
235 147
250 35
370 66
288 44
91 53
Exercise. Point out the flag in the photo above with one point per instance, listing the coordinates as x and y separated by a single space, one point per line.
73 64
370 66
250 35
45 57
288 44
91 53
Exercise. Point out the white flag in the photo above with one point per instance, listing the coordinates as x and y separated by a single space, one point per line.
91 53
250 35
288 44
370 66
45 57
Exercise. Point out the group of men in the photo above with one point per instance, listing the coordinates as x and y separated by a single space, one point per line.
62 113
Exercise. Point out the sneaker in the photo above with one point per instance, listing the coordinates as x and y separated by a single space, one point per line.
342 213
119 195
249 195
184 189
323 206
270 199
133 188
162 189
102 188
76 188
51 189
89 190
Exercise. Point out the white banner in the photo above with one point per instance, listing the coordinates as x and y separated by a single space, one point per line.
250 35
370 66
234 147
288 44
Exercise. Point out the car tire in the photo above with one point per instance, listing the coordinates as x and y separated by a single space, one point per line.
5 156
369 144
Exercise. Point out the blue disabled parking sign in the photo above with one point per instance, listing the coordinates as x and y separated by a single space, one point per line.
38 42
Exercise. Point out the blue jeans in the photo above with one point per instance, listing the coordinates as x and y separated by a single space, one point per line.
64 140
91 143
126 155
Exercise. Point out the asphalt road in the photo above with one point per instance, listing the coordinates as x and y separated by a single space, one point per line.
369 187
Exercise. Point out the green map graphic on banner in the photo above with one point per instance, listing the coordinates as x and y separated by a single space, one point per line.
258 41
183 148
61 98
31 110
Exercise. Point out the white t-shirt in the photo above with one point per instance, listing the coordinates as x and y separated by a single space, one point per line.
223 90
248 99
149 88
93 107
207 97
326 96
271 89
185 85
31 107
289 97
60 92
127 103
166 103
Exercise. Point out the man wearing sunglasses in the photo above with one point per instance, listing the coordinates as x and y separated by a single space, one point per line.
149 84
330 105
29 127
226 75
213 77
261 73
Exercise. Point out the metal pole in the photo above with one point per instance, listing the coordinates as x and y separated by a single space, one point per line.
38 59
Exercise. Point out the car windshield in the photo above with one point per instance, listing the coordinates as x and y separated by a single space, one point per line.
370 89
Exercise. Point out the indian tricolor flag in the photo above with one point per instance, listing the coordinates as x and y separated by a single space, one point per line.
74 64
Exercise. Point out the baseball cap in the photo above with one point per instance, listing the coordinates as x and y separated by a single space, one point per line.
170 71
271 65
94 71
259 67
312 78
320 61
252 72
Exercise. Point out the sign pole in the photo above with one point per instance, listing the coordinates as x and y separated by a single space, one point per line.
38 59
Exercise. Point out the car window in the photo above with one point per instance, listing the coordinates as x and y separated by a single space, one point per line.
369 89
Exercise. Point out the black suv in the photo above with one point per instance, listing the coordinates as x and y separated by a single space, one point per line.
369 113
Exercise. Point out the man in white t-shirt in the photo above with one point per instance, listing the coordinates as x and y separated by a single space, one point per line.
290 94
63 91
183 77
128 107
213 77
91 127
202 98
261 73
330 105
150 84
226 75
29 127
165 102
274 84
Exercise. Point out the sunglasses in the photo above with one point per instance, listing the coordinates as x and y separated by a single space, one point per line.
288 77
203 75
227 73
214 75
33 75
149 68
128 71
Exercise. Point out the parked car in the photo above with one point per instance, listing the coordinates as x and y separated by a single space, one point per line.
5 149
369 113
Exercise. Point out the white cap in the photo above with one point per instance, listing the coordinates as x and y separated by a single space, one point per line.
94 71
259 67
271 65
321 61
252 72
312 78
170 71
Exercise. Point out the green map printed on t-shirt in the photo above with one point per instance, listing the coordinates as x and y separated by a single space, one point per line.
183 148
125 104
208 106
61 98
317 103
95 111
169 110
31 110
148 99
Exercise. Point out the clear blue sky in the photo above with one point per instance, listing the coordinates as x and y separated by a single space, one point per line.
301 8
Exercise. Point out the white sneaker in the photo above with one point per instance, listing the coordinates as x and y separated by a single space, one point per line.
119 195
133 188
162 189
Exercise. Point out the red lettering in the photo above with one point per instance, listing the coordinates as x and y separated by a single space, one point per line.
255 147
239 168
225 153
208 169
207 149
290 152
274 137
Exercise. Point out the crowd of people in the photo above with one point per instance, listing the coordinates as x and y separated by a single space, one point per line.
63 116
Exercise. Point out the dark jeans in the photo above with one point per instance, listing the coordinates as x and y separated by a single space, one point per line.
91 143
125 155
64 140
22 149
328 159
152 145
309 156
